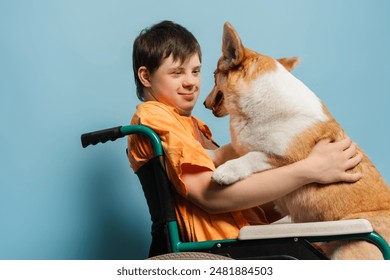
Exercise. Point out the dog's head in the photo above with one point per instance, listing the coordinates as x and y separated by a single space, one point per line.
236 69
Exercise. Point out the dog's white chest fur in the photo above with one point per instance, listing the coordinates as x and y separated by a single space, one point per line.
277 108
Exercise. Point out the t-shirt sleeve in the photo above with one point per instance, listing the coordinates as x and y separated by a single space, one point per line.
180 146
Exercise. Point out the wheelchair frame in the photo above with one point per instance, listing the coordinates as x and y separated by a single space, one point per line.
163 215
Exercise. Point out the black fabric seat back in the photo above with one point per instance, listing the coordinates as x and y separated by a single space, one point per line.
158 194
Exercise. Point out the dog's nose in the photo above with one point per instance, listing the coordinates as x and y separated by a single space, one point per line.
204 103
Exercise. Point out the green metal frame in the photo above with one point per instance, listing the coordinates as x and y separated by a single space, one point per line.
148 132
372 237
178 246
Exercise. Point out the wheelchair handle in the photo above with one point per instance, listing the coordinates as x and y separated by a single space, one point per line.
101 136
112 134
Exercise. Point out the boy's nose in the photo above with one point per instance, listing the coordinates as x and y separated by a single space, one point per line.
190 80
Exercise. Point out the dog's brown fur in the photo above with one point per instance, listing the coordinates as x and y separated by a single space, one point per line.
368 198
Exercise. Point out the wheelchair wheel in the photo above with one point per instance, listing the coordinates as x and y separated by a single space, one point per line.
189 256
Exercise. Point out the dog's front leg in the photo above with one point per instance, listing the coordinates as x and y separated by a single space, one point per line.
240 168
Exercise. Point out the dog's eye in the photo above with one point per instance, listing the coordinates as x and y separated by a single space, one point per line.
222 74
219 72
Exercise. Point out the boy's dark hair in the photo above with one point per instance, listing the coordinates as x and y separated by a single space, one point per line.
157 43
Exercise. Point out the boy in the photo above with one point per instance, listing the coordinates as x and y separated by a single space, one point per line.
166 64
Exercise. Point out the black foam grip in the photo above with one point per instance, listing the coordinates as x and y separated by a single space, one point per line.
101 136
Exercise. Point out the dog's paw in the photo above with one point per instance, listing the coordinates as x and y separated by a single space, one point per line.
240 168
228 173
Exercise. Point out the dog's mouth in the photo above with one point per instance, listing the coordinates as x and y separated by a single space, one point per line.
215 102
218 101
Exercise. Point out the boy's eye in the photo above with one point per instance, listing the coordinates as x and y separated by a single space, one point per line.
177 72
196 71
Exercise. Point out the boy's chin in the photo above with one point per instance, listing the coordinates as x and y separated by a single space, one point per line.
185 111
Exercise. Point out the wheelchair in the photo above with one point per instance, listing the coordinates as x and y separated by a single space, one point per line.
277 241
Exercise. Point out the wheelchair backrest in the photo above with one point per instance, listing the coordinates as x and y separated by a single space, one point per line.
158 194
155 184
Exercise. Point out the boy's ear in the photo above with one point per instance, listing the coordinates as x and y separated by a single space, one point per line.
144 76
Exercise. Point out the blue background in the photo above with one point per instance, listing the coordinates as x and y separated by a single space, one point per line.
65 69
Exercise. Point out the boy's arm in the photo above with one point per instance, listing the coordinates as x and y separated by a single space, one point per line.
327 163
257 189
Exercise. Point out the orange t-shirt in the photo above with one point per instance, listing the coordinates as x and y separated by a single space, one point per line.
184 140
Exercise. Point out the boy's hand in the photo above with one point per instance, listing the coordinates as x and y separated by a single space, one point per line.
330 161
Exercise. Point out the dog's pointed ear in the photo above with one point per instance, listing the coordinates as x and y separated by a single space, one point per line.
289 62
232 48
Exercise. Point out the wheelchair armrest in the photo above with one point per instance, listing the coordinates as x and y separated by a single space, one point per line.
283 230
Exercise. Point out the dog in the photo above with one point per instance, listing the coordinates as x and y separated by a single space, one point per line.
275 120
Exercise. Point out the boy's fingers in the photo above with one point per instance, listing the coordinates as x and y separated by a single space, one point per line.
351 150
351 177
354 161
345 143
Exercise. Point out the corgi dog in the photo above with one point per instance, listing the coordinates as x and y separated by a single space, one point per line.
275 120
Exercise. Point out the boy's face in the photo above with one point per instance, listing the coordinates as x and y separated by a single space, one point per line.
176 84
